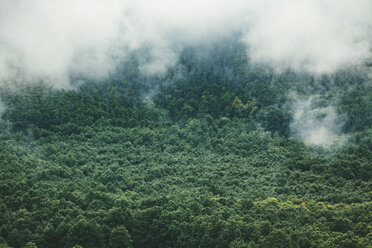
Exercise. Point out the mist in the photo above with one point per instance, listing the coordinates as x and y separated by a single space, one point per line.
313 122
53 40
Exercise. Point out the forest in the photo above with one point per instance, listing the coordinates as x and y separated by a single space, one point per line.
213 153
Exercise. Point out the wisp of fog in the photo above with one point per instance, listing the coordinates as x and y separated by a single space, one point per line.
314 124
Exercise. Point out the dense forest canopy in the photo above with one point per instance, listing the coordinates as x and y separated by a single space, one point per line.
209 154
159 123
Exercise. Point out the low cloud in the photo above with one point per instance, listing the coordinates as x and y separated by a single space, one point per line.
51 40
312 36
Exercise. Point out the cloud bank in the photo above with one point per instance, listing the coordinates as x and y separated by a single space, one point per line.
51 40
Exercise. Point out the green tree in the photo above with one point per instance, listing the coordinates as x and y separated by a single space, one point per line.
120 238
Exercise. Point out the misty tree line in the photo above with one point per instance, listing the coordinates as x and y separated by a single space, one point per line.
206 160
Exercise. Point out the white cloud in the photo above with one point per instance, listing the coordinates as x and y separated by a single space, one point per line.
50 39
315 36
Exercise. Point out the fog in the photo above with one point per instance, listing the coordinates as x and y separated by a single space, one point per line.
52 40
313 123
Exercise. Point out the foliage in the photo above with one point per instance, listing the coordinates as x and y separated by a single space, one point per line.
208 163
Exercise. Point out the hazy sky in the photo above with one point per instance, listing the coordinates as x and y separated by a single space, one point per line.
50 39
